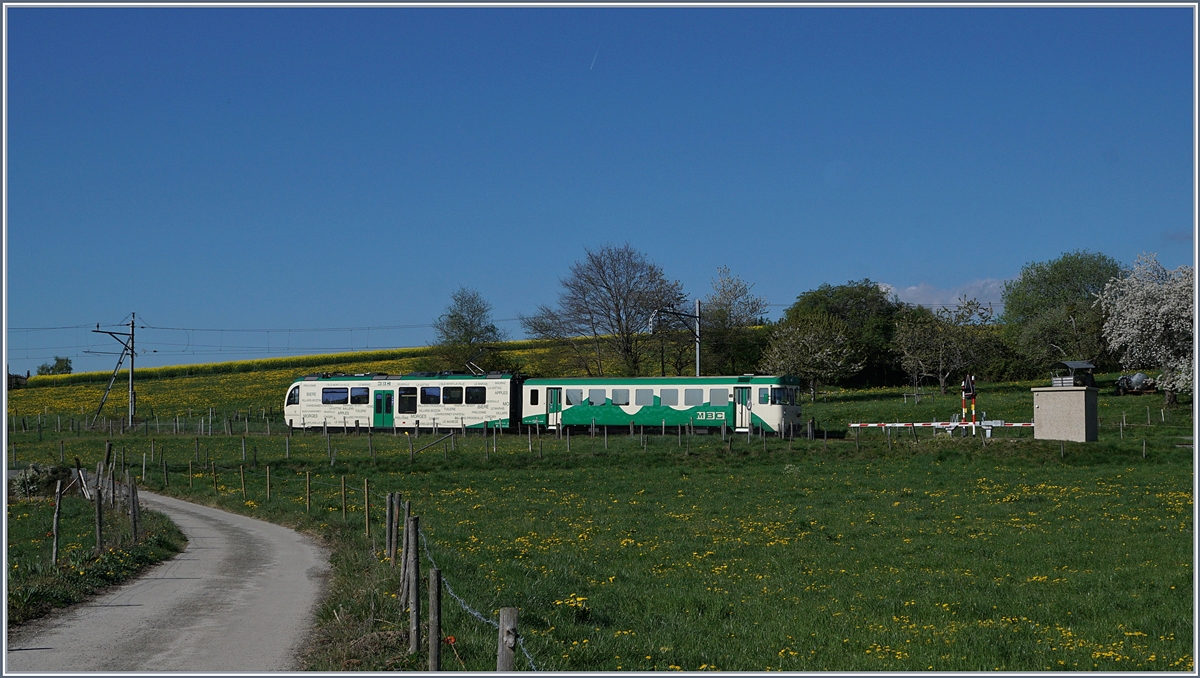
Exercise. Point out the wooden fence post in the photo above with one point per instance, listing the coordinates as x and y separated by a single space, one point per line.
414 584
190 475
268 482
308 491
367 507
387 523
435 619
506 647
99 518
242 473
57 505
343 498
394 528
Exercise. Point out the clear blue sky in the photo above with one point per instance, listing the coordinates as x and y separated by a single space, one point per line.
294 168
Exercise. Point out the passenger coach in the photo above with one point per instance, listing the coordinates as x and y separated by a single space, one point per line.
417 400
739 403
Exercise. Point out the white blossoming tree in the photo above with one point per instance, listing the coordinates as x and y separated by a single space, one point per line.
813 346
1148 322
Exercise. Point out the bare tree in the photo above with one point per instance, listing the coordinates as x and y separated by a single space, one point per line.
466 329
941 344
1148 322
813 346
727 316
609 297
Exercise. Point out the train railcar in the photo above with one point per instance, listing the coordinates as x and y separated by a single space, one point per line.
741 403
419 400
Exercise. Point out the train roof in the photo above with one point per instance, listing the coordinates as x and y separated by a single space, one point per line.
411 376
681 381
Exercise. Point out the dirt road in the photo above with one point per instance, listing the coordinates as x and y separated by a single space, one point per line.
239 598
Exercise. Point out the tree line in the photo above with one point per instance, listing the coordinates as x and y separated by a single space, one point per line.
619 314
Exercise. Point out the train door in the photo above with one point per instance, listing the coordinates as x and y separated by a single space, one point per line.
553 407
383 409
741 408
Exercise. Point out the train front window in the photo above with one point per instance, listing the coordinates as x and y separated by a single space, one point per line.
360 396
294 396
452 395
779 396
408 399
335 396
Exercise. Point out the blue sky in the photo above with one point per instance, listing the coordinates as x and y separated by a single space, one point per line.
299 168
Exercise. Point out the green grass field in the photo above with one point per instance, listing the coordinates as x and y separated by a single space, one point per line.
937 553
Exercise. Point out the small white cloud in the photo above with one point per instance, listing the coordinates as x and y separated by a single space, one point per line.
987 291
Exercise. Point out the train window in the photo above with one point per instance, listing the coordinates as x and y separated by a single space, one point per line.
452 395
778 397
431 395
335 396
693 396
574 396
476 395
596 396
643 396
533 396
764 396
669 396
620 396
360 396
408 399
718 397
294 396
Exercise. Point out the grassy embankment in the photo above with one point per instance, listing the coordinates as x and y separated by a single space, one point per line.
35 587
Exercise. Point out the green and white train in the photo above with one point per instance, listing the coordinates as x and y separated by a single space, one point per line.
423 400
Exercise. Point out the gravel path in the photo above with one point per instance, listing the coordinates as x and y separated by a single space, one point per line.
240 597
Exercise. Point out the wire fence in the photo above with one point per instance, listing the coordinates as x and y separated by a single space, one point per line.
428 555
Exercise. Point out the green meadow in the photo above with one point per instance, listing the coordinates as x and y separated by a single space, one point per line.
676 553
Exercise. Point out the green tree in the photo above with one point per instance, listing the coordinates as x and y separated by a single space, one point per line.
465 332
870 317
728 315
813 346
1050 310
60 366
